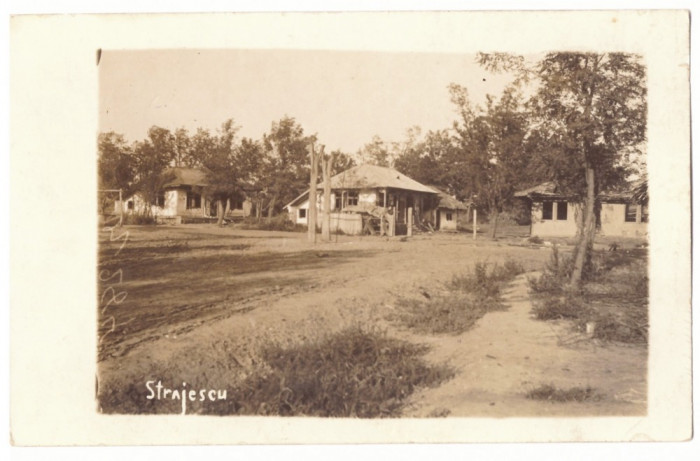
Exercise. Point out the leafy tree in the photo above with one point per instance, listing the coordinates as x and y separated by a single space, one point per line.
220 157
376 152
285 170
183 149
594 105
589 115
430 160
341 162
153 156
492 154
115 166
252 164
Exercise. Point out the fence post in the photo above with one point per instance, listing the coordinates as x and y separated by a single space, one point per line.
121 209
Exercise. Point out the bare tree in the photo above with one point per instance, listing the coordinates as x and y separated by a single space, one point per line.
313 210
327 167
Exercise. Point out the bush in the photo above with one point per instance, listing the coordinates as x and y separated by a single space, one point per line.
615 296
575 394
444 314
357 372
353 373
564 307
535 240
280 222
139 219
556 274
470 297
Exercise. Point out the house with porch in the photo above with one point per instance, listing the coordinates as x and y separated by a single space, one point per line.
369 198
183 196
553 213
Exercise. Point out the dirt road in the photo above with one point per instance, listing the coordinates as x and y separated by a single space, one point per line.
193 290
509 353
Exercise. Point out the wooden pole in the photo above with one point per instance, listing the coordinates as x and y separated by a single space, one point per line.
312 213
409 222
474 225
121 209
327 167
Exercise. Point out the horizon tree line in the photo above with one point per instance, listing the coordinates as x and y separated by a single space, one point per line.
582 125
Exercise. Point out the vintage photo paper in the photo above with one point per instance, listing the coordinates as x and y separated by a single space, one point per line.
462 165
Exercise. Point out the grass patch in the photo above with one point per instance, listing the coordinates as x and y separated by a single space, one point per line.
615 295
356 372
467 298
139 219
563 307
281 222
550 393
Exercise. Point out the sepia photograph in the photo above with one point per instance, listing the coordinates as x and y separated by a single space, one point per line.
351 228
372 235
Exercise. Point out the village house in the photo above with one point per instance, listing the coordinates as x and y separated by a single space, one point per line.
450 212
183 197
556 214
368 194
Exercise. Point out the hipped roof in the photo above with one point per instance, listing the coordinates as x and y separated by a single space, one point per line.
373 176
549 190
546 188
182 176
450 203
369 177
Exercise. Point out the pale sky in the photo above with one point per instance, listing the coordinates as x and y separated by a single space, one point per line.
343 97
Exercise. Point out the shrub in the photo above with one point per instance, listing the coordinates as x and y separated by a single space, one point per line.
575 394
556 274
353 373
444 314
280 222
535 240
615 296
357 372
470 297
630 325
563 307
139 219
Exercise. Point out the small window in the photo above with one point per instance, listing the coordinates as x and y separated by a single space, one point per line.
302 213
645 213
448 216
130 205
160 201
194 200
338 201
352 198
562 211
547 208
380 199
236 204
630 212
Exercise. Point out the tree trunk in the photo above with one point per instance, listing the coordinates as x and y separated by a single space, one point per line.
271 208
311 218
326 227
220 213
585 242
494 223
